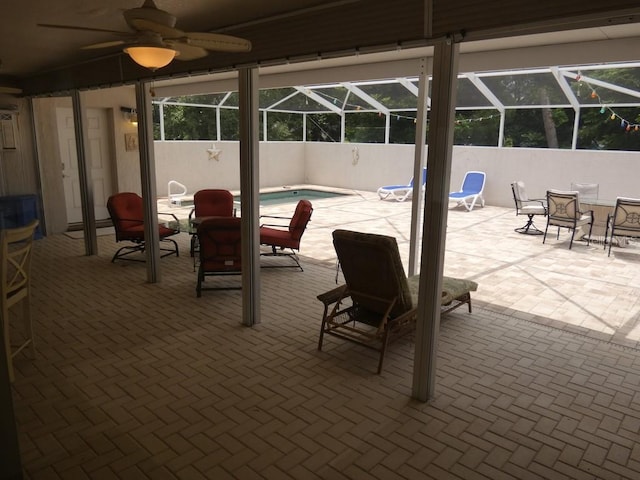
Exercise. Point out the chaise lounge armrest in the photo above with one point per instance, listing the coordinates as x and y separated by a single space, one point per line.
455 292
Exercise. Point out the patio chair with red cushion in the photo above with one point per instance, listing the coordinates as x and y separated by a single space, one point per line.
285 240
208 203
127 214
220 251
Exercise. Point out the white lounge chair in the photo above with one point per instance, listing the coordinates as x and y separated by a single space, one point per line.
400 192
471 190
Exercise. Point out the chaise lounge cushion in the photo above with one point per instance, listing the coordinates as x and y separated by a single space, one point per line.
452 288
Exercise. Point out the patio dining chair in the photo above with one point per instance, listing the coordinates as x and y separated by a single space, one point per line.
220 252
471 190
208 203
15 287
624 222
401 193
564 212
127 214
529 207
587 191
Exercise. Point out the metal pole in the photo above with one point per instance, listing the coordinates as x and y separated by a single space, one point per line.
249 193
445 70
418 164
84 172
148 179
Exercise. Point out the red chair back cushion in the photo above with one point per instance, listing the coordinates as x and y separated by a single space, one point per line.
220 244
213 203
300 219
126 212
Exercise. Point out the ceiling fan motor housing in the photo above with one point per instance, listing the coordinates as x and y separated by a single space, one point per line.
150 12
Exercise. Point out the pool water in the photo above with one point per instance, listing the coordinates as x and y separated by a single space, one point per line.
293 195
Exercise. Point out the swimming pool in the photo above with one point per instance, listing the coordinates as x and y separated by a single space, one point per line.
293 196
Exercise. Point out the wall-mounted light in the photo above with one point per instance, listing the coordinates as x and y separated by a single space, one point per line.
130 115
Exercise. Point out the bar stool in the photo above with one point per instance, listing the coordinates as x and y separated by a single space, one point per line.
15 263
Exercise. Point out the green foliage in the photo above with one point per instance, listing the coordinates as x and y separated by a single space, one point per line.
477 127
284 126
524 127
599 132
229 124
323 127
189 123
402 128
364 127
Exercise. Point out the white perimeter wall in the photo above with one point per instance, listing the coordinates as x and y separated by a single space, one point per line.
368 166
189 163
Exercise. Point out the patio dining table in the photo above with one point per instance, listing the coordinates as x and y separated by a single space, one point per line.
601 210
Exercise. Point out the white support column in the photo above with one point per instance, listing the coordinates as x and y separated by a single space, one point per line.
304 127
387 127
148 179
218 127
264 126
576 128
250 193
573 100
161 112
418 164
84 171
441 126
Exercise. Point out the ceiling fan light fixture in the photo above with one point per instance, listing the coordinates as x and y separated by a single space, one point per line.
151 57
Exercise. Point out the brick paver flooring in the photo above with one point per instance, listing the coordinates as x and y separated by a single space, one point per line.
134 380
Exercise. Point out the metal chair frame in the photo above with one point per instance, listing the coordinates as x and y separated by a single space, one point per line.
563 211
625 219
529 207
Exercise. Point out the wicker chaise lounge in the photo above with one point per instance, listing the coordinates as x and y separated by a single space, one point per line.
378 303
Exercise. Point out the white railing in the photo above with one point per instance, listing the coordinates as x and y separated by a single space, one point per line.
175 198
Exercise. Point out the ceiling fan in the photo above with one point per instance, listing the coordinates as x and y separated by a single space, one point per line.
154 42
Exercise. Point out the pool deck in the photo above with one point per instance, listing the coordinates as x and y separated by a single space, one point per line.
581 289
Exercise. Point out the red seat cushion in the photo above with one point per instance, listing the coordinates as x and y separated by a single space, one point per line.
280 238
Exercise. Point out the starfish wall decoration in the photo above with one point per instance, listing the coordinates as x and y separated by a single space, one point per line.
214 153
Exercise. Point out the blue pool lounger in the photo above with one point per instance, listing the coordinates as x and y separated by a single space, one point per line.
471 190
400 192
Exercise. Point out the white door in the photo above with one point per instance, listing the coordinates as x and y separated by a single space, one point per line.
99 157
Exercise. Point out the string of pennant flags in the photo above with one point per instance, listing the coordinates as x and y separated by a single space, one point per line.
399 116
605 109
627 125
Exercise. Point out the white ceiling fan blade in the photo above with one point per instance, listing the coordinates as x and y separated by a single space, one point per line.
112 43
218 42
187 52
86 29
144 25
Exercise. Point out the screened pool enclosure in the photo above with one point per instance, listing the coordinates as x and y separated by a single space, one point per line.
567 107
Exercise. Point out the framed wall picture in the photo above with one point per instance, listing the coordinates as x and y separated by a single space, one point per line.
130 141
7 130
